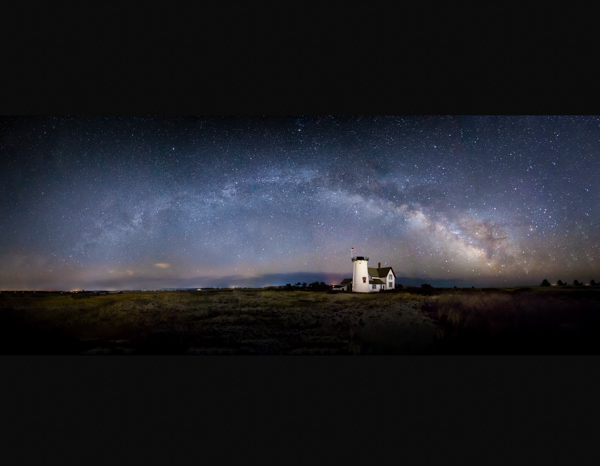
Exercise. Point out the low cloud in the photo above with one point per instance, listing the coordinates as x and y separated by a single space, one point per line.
162 265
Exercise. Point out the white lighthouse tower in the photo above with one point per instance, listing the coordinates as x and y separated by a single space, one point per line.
360 274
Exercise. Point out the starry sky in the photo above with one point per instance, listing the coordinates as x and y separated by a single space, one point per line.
213 201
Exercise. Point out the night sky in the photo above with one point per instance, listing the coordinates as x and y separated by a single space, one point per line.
172 202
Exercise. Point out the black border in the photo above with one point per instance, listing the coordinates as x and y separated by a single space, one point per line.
297 408
209 63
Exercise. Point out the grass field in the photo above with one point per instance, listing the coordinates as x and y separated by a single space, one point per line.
537 320
411 321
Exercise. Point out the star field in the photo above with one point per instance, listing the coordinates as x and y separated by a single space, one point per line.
152 202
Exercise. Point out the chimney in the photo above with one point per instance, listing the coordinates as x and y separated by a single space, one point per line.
379 266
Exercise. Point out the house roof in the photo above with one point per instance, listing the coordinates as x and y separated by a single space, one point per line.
376 281
345 281
382 272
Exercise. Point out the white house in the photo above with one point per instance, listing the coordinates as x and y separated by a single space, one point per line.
382 278
367 279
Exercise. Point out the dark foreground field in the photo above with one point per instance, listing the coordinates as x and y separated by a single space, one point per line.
411 321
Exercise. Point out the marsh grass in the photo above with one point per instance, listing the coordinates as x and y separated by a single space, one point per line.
237 321
298 322
523 321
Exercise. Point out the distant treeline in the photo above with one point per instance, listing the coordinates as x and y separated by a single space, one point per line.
314 286
545 282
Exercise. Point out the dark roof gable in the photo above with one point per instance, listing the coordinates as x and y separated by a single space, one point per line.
381 273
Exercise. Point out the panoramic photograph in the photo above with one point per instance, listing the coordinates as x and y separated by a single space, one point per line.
299 235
